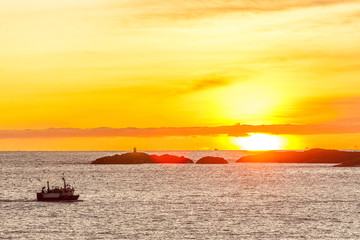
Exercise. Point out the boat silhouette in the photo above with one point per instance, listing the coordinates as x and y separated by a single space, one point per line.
56 193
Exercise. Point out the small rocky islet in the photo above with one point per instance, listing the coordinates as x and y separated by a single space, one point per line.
211 160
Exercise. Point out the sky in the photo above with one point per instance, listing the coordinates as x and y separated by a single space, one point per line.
179 75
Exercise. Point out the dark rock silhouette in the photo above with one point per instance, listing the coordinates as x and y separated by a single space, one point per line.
166 158
211 160
126 158
141 158
355 162
310 156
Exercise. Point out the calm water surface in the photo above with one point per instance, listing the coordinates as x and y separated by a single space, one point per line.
234 201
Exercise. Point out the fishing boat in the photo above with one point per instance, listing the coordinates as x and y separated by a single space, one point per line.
56 193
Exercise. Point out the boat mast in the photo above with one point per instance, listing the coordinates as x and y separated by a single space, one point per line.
64 182
48 186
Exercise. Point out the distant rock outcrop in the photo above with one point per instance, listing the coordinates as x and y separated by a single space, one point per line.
211 160
310 156
355 162
166 158
126 158
141 158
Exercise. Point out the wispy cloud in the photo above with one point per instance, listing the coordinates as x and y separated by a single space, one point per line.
178 87
235 131
202 8
213 81
209 83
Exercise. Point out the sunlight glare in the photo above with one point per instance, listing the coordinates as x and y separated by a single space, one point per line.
259 142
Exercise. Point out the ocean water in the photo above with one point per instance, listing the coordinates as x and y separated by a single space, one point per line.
233 201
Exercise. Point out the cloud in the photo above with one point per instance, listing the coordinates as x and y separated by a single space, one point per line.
190 9
336 111
209 83
203 84
182 87
237 130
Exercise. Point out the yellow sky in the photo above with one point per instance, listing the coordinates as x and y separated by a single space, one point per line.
153 64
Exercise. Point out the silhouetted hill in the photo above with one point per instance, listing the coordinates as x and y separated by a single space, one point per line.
140 158
211 160
310 156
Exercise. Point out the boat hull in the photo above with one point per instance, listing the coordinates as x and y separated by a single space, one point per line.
55 198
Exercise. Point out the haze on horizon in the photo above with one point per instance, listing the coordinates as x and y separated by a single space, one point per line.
111 75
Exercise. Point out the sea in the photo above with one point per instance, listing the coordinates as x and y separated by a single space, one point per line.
167 201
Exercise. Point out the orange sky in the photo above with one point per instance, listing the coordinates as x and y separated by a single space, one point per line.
181 74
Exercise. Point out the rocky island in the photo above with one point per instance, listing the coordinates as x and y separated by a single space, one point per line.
166 158
355 162
141 158
309 156
211 160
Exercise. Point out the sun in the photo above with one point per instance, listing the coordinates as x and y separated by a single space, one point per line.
260 142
